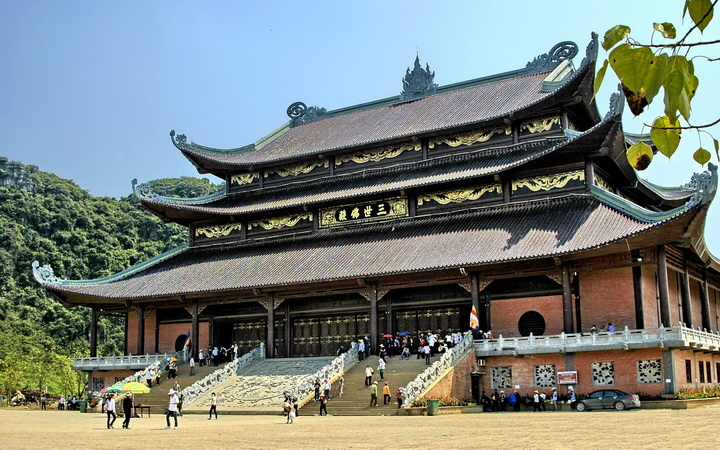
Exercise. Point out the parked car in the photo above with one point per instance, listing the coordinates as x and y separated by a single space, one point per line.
608 399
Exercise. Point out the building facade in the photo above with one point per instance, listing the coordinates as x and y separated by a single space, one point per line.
508 193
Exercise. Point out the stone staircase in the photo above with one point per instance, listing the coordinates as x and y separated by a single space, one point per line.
258 388
157 398
355 400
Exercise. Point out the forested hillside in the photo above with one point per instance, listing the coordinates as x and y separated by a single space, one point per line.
52 220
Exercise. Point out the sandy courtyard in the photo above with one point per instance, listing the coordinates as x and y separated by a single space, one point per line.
696 428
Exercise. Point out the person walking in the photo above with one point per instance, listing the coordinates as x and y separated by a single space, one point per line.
43 402
373 394
341 385
326 389
323 404
398 396
386 394
426 350
368 375
127 405
110 409
361 350
536 402
316 385
554 399
172 410
149 375
289 411
381 368
213 406
191 363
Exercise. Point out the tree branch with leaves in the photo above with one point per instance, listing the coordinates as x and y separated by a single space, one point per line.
645 69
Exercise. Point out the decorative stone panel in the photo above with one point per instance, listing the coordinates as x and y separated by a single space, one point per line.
545 376
502 377
603 373
649 371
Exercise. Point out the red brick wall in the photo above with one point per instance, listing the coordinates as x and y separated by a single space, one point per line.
149 332
169 332
110 375
607 296
505 314
651 315
457 383
625 366
695 358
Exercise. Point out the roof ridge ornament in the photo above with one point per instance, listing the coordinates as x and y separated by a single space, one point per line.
299 113
419 82
180 141
617 103
704 184
143 190
591 50
45 274
546 62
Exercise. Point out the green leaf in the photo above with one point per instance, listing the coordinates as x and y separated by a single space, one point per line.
717 148
665 138
698 10
702 156
615 35
599 78
679 86
667 29
639 155
641 74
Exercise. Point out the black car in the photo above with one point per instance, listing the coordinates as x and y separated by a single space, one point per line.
608 399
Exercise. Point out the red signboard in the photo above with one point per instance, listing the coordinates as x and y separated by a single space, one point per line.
569 377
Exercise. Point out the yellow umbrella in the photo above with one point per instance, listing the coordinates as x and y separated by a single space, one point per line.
135 388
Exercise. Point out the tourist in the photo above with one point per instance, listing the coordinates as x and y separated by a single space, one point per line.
296 405
426 350
554 399
213 406
368 375
593 329
172 410
373 394
361 350
536 402
543 396
215 356
503 400
495 397
573 399
110 410
201 358
398 396
326 388
386 394
512 400
518 401
61 403
431 341
382 352
43 402
381 368
405 352
317 389
340 351
191 364
149 377
176 387
158 376
341 385
323 404
486 402
172 370
610 327
127 405
289 411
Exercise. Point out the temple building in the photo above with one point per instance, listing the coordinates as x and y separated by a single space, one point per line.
509 193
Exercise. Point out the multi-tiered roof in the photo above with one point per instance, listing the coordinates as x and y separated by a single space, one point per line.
504 169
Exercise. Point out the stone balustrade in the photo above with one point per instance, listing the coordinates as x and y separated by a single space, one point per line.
671 337
129 362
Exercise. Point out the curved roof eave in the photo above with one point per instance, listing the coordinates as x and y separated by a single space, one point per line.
211 160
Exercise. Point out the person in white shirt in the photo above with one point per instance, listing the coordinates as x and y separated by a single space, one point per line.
191 363
110 408
172 408
213 406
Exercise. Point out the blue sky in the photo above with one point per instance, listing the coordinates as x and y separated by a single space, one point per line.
89 90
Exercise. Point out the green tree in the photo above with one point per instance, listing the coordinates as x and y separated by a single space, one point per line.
646 68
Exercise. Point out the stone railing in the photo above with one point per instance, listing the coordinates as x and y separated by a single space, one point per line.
198 388
338 366
141 375
117 362
677 336
423 381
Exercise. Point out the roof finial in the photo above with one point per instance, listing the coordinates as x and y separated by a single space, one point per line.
418 83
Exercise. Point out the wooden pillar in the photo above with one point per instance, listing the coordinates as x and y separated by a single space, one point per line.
475 292
589 173
140 311
270 349
388 317
705 304
195 331
94 315
567 301
487 323
637 290
663 290
578 316
288 331
685 296
373 319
